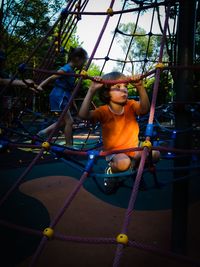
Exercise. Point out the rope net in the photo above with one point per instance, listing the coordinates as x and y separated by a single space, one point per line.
164 61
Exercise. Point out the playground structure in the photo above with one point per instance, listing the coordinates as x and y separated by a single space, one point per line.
182 65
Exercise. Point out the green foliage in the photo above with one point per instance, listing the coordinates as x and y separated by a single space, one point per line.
142 47
93 70
32 17
24 24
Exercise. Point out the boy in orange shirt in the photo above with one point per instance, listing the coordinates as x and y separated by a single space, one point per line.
117 117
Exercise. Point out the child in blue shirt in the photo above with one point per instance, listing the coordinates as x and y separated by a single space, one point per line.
61 92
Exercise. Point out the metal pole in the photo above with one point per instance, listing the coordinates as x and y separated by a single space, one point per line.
183 89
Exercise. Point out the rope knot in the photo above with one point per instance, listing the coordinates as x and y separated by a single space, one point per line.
122 239
84 73
48 232
56 34
109 11
159 65
22 67
46 145
147 144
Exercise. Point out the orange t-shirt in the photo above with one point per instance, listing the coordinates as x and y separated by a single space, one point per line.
119 131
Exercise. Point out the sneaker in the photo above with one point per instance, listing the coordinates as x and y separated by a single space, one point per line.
111 184
108 170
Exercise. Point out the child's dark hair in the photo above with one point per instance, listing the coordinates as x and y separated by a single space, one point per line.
104 94
77 52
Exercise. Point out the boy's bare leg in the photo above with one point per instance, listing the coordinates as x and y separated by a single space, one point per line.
49 129
68 128
120 162
155 157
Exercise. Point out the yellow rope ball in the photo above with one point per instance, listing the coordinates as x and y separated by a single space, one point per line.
147 143
84 73
56 34
48 232
122 239
159 65
110 11
46 145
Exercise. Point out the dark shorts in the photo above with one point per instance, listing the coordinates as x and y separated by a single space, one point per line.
58 99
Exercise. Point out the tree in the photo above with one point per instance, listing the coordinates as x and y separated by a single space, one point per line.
23 24
141 49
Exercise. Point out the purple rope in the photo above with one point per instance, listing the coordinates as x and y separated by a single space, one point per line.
100 36
17 183
130 208
86 240
131 41
66 107
60 213
122 11
85 174
33 52
176 150
69 199
158 71
163 252
48 61
126 80
103 240
106 153
144 155
76 89
133 197
24 145
109 49
21 228
118 255
59 236
61 117
38 251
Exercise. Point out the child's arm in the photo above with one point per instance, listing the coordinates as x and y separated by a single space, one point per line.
144 99
49 79
19 83
84 112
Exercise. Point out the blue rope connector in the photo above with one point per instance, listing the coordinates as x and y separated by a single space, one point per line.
107 58
62 50
59 151
91 158
149 130
173 135
64 12
3 145
22 67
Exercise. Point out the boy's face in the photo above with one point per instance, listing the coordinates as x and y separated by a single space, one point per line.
119 93
79 62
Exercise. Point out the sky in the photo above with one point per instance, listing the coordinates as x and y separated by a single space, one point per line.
90 26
